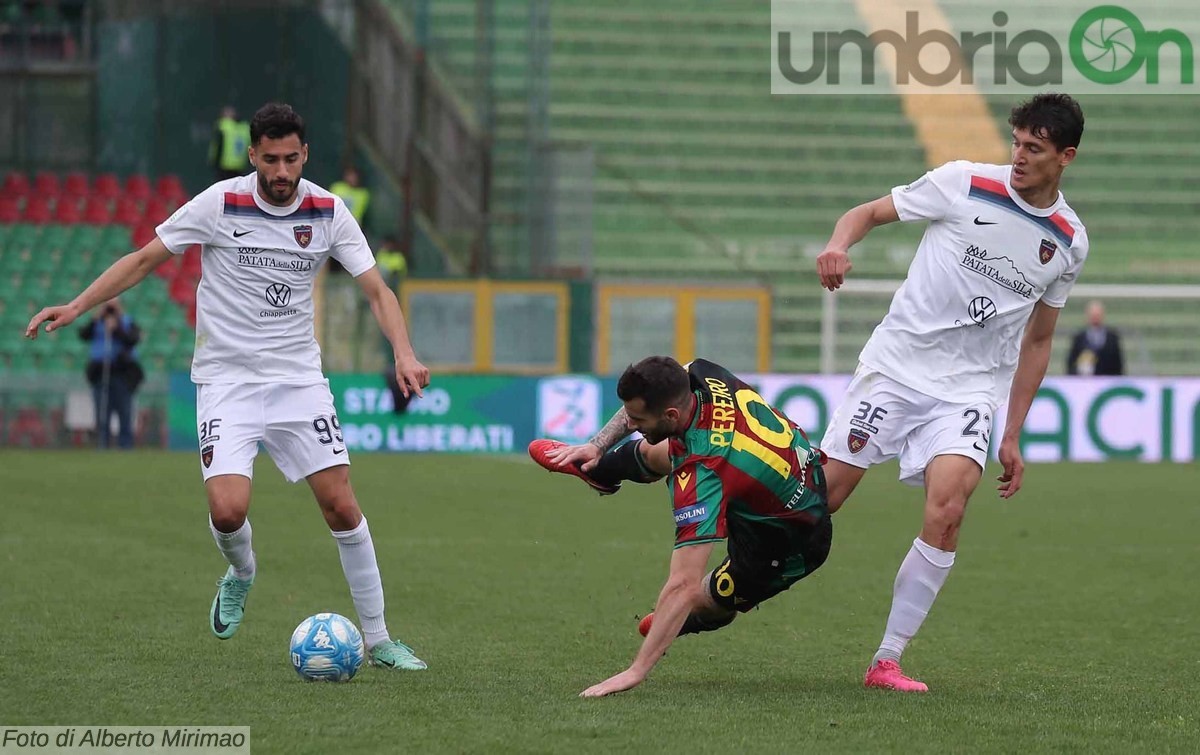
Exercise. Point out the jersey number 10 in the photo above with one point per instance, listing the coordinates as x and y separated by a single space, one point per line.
766 443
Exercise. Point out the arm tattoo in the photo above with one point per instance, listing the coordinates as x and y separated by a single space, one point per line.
616 429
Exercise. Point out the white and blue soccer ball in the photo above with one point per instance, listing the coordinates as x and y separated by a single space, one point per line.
327 647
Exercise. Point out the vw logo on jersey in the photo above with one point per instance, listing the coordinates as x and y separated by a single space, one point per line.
303 234
279 294
981 309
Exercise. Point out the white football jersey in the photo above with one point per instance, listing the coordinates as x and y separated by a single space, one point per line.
254 306
955 325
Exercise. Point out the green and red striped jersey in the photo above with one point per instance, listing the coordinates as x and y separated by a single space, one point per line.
740 459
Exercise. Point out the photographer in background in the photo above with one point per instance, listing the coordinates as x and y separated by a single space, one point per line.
113 370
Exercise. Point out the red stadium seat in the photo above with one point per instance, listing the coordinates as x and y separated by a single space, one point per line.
97 212
138 187
10 209
37 209
183 289
46 184
156 211
66 211
127 212
75 184
16 184
107 185
142 234
191 263
169 186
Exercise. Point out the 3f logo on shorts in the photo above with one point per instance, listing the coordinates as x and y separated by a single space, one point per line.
208 430
867 416
862 423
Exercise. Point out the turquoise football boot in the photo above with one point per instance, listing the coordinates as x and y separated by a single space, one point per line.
229 606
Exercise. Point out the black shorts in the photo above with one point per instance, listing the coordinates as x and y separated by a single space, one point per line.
764 561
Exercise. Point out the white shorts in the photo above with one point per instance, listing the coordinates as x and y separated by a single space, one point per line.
880 419
296 423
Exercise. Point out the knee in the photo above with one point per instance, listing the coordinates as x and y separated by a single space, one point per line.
945 515
341 511
227 513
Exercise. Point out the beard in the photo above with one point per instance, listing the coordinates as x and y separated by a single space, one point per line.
275 193
659 432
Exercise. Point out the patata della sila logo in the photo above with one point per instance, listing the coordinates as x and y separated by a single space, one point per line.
1105 46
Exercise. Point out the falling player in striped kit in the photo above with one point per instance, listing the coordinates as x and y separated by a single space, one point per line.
737 469
970 328
257 365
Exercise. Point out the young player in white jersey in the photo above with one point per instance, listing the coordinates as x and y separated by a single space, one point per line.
257 366
970 327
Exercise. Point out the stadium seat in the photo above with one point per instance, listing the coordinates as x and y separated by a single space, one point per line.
142 234
127 212
37 209
10 209
137 186
107 185
169 186
97 211
16 184
75 184
66 210
46 184
155 212
190 266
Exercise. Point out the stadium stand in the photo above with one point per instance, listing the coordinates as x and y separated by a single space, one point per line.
698 173
52 245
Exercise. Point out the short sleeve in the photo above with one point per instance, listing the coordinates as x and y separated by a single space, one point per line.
699 503
194 222
350 246
1057 292
932 195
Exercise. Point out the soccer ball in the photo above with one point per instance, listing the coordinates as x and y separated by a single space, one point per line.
327 647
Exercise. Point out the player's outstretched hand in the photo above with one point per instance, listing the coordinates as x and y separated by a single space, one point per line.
626 680
54 317
411 375
586 455
1014 468
832 266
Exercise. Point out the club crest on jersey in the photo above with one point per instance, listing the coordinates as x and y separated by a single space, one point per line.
1046 251
303 234
857 440
206 456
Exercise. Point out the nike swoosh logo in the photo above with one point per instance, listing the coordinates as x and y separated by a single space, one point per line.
217 623
977 222
975 445
239 234
339 451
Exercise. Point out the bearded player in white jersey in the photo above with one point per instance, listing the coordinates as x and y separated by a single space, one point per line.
257 365
970 327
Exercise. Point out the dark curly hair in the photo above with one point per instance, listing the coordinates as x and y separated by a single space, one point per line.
1052 116
660 382
276 120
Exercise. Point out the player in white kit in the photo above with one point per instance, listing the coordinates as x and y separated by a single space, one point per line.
257 365
970 326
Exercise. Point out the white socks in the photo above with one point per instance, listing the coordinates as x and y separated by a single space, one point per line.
922 574
362 574
235 547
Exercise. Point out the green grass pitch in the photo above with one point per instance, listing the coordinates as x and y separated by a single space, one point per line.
1069 623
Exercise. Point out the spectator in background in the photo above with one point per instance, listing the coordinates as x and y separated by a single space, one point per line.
393 262
113 370
1096 350
353 194
228 152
